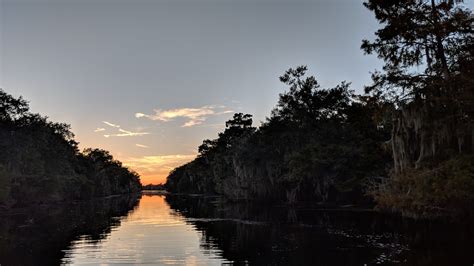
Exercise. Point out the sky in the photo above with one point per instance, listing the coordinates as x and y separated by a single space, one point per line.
148 80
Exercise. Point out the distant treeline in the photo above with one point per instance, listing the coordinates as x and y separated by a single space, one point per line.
407 143
41 162
153 187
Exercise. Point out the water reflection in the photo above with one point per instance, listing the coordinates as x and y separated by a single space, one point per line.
152 234
186 230
38 236
315 235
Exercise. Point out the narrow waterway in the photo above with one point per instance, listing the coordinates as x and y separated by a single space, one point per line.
157 229
150 234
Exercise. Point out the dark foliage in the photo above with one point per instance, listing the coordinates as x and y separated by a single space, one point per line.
40 161
327 144
427 47
318 144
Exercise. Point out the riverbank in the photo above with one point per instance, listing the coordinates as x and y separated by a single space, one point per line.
372 207
333 146
12 210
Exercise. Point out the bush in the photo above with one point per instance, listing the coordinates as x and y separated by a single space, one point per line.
445 190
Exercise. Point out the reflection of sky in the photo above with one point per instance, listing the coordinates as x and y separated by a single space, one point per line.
149 235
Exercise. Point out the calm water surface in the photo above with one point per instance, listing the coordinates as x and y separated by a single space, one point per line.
159 229
150 234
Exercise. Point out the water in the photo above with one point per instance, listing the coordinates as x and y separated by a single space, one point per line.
151 234
195 230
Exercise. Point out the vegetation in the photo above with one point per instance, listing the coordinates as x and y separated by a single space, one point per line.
408 141
318 144
41 162
428 48
447 189
410 136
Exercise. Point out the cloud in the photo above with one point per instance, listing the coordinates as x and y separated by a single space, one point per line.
142 146
126 133
191 123
123 132
111 124
194 116
155 169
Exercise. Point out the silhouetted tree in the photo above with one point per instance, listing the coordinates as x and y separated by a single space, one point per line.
318 144
433 36
40 160
306 103
428 49
11 108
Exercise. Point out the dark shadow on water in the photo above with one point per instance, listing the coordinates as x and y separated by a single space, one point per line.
39 235
244 233
312 235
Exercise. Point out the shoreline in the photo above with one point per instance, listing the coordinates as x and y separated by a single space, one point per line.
12 210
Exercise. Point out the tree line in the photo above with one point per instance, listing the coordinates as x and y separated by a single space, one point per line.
318 144
40 161
407 143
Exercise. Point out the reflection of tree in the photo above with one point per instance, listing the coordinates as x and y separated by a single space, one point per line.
302 235
40 235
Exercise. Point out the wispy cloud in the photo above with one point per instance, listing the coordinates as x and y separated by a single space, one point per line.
122 132
154 169
194 116
126 133
142 146
111 124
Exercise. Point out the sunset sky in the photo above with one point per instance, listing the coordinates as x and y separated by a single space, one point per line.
148 80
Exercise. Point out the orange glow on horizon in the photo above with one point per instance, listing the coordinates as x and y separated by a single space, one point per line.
153 179
155 169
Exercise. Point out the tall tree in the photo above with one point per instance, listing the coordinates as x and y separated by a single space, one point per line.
428 49
424 44
305 103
